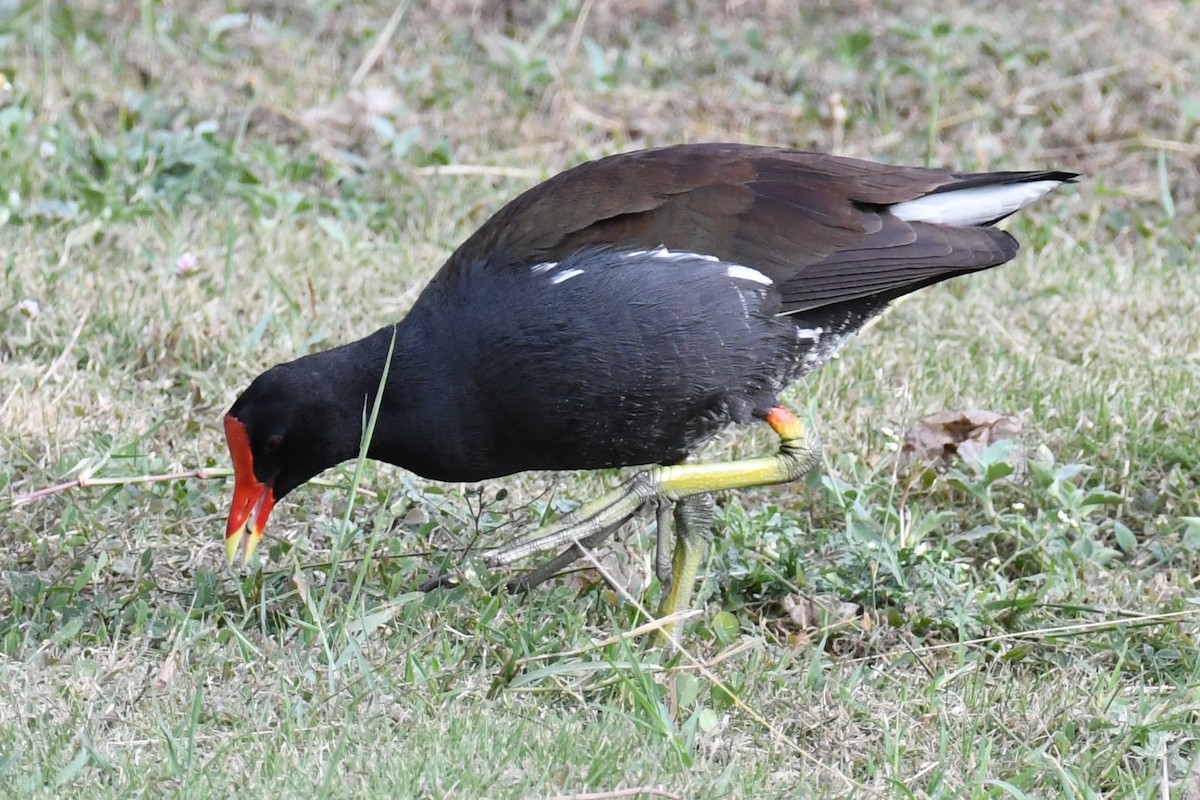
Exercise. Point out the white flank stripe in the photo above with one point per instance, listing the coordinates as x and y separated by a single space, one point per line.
669 255
747 274
566 275
973 206
679 255
545 266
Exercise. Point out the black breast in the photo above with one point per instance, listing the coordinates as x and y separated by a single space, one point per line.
607 358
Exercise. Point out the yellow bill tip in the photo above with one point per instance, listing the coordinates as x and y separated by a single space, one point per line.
231 546
251 546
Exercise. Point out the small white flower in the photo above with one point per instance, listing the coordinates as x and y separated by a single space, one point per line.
29 308
47 150
187 265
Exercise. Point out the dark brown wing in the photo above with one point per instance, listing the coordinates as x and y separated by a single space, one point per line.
818 225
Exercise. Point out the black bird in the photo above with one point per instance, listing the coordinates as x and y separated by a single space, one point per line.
619 314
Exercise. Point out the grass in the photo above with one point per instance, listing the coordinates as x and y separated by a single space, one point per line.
1021 628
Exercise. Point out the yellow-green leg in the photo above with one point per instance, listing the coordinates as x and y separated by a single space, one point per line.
799 450
663 568
693 526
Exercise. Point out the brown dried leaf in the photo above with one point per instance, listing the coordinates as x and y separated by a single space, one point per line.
818 611
166 673
622 568
343 121
964 433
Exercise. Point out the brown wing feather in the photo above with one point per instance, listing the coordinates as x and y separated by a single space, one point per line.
816 224
900 255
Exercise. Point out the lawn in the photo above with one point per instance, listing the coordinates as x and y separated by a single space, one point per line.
193 191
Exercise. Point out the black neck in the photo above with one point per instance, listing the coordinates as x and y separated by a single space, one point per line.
418 404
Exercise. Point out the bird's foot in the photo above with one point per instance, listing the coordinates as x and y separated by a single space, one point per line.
685 487
799 450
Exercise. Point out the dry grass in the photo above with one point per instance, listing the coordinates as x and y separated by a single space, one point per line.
134 663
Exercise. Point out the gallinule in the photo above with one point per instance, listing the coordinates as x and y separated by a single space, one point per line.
619 314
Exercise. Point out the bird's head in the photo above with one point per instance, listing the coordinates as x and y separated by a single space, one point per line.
283 430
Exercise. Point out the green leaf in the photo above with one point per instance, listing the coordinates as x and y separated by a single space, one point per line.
1103 497
7 761
1164 186
1126 539
997 470
597 61
334 231
68 631
1009 789
362 627
707 719
256 333
723 698
687 689
68 773
725 626
1011 604
1191 536
1017 653
1069 472
62 25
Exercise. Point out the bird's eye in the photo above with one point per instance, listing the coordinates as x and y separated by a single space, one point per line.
273 443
